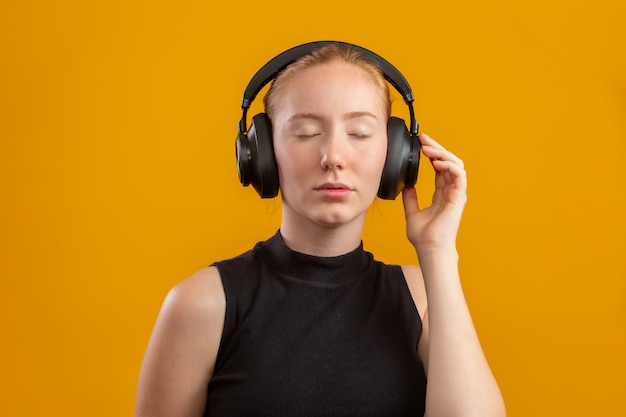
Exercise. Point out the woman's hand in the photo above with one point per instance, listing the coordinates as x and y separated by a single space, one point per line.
436 227
460 382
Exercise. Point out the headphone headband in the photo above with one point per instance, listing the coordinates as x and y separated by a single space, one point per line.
270 70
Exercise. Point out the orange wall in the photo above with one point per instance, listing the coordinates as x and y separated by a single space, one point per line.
117 179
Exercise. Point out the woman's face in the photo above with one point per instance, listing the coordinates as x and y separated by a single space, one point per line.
330 141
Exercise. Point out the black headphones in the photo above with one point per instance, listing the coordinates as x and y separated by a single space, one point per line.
256 163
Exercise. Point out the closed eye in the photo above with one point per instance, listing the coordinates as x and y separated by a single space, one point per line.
306 135
360 135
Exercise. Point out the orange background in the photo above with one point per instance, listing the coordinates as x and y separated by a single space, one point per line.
117 179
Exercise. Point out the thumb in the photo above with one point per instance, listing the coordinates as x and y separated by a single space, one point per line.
409 200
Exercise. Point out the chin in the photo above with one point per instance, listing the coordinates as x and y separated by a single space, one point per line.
335 218
325 214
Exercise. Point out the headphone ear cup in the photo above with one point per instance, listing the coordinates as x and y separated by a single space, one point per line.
256 162
244 159
402 162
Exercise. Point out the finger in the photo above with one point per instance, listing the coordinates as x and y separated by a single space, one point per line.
434 153
433 149
426 140
449 166
410 202
451 173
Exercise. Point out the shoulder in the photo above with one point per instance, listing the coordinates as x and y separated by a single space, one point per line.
191 319
197 299
193 311
202 286
181 354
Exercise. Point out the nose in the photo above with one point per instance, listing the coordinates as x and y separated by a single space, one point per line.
333 152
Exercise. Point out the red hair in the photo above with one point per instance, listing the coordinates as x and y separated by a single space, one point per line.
323 55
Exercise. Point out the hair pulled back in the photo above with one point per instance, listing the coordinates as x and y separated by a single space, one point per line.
323 55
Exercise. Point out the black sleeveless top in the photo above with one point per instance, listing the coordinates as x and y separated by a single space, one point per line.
312 336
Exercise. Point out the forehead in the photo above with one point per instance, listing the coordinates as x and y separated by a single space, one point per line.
334 84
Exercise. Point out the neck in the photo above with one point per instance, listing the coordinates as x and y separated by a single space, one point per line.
321 240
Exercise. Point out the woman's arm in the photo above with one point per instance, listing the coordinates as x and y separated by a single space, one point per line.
460 382
181 354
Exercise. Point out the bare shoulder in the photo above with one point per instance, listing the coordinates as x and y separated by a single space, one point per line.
200 296
193 311
191 319
181 354
415 282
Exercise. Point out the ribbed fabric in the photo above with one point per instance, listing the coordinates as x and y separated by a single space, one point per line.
316 336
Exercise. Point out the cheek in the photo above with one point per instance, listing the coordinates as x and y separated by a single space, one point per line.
292 166
375 160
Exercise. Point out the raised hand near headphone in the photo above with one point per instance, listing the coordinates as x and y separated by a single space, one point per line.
435 228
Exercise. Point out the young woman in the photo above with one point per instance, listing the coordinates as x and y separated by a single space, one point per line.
307 323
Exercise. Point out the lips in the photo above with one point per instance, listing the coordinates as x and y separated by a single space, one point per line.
334 190
333 186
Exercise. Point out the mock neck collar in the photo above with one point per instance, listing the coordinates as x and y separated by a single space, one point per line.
318 269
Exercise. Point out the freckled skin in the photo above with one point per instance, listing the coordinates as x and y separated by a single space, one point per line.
330 127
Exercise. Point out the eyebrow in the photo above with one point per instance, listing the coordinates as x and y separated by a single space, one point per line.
348 116
299 116
355 114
